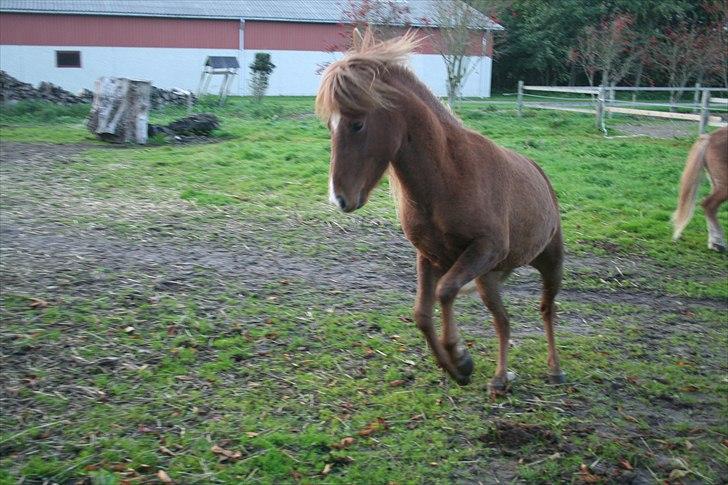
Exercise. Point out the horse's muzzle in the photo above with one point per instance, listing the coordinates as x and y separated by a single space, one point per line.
347 205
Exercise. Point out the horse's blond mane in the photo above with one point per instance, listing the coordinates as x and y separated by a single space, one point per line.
353 84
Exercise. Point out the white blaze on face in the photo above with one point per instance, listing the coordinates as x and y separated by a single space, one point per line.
332 194
333 123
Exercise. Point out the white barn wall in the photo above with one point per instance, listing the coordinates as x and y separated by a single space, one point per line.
295 72
294 75
165 67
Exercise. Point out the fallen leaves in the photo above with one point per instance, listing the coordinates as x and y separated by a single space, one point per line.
166 451
415 420
587 476
678 473
38 303
164 477
378 424
344 443
336 460
690 388
225 455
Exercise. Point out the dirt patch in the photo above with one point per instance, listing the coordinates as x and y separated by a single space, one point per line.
512 435
45 249
672 129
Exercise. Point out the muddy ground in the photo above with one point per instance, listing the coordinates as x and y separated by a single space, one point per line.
62 243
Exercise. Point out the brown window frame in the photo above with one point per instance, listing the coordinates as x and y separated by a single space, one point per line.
67 65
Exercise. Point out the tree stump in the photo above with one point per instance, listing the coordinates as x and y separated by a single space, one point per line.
120 110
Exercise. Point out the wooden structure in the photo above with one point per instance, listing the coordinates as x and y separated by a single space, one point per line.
226 66
120 110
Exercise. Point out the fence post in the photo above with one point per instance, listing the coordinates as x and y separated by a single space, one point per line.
600 107
611 98
704 112
519 99
696 98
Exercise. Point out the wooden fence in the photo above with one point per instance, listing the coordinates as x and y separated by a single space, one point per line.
603 102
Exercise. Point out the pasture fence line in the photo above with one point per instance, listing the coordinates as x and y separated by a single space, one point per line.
602 101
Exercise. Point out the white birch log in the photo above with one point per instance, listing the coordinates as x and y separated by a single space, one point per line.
120 110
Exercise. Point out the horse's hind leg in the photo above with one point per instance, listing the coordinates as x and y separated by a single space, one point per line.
716 237
489 289
550 264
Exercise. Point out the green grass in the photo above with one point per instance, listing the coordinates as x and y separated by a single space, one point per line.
614 193
281 374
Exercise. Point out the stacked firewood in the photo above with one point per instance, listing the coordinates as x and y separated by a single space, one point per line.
12 89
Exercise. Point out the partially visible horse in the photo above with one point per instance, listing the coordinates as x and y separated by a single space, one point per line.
710 152
473 210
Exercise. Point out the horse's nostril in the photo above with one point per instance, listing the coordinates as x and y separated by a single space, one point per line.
341 201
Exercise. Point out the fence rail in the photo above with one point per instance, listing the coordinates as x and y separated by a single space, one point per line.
603 102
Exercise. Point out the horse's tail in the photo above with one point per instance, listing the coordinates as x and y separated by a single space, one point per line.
689 186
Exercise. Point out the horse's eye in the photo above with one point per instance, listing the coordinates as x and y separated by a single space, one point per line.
356 126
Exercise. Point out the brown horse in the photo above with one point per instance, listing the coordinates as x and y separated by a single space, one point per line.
473 210
709 152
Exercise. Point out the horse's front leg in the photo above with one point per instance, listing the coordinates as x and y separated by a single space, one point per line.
478 258
427 277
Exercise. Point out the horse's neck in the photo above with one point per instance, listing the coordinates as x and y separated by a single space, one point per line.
409 83
424 163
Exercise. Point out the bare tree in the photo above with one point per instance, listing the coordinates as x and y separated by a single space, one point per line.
384 18
585 55
714 65
456 36
678 53
722 57
611 48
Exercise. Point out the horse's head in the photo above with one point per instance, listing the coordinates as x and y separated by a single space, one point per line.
359 104
362 145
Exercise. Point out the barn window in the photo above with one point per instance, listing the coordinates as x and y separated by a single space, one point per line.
68 58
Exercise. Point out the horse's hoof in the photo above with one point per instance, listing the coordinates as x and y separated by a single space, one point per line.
559 378
499 386
464 363
461 379
717 247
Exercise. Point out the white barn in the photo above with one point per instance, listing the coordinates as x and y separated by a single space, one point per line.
73 42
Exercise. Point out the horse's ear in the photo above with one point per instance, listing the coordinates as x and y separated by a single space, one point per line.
357 39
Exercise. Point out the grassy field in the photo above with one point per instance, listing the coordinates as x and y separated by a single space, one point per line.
198 313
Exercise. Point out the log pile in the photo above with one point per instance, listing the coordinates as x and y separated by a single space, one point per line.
174 96
12 90
188 129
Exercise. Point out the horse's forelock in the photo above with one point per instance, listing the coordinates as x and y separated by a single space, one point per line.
354 84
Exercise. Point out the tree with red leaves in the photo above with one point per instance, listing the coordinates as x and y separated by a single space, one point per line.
611 48
684 53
